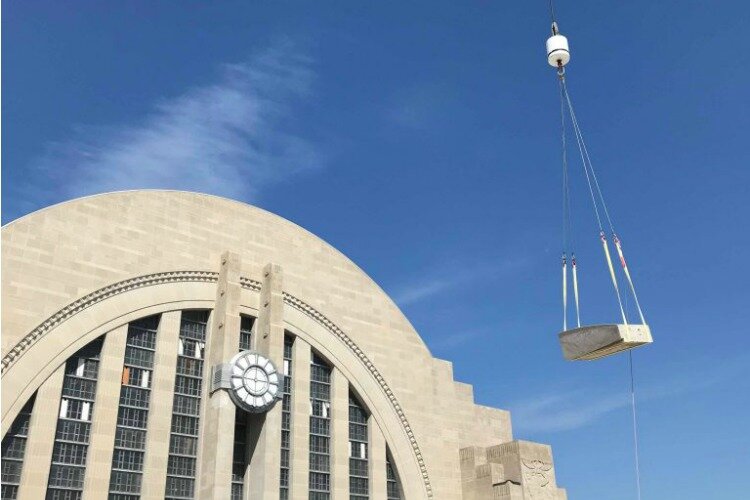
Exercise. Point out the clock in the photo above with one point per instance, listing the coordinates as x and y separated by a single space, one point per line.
254 382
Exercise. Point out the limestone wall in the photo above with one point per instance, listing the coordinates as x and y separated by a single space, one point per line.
63 270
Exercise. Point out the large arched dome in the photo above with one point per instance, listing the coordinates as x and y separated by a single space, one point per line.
134 233
122 279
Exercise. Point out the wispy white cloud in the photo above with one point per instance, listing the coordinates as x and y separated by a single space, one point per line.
418 291
563 411
231 137
572 409
452 276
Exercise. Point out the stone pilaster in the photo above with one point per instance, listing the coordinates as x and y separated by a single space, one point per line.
218 417
339 435
300 443
269 340
264 430
101 446
160 407
376 460
41 440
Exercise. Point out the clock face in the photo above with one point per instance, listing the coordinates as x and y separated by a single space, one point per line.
255 382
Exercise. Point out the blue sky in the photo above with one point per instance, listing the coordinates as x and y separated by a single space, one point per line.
422 139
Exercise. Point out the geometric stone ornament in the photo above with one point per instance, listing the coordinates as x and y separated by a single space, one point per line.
516 470
598 341
252 380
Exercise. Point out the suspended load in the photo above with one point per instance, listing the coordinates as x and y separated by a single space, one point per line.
596 341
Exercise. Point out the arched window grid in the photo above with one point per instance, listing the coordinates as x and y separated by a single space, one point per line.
183 444
70 449
132 415
14 450
72 438
358 450
393 485
286 418
320 429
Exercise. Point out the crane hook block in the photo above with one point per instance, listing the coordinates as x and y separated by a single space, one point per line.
557 51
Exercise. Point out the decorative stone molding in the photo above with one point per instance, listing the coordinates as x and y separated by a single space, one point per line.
94 298
338 332
250 284
536 472
209 276
516 469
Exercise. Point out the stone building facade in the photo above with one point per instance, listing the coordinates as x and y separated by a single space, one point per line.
160 344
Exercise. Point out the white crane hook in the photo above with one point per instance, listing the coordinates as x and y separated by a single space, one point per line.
558 54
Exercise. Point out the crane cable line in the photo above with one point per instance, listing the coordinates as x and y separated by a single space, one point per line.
594 187
568 230
615 239
589 170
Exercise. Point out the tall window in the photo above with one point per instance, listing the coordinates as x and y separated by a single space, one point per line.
14 448
286 418
74 424
320 429
393 486
358 452
188 388
246 332
239 461
132 415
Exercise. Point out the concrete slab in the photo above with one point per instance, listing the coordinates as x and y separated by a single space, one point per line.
598 341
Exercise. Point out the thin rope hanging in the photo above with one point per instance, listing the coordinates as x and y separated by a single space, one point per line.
618 245
595 187
558 55
575 290
589 171
635 427
565 290
597 196
579 141
565 219
567 223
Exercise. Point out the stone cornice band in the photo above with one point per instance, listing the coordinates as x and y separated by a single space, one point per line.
94 298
